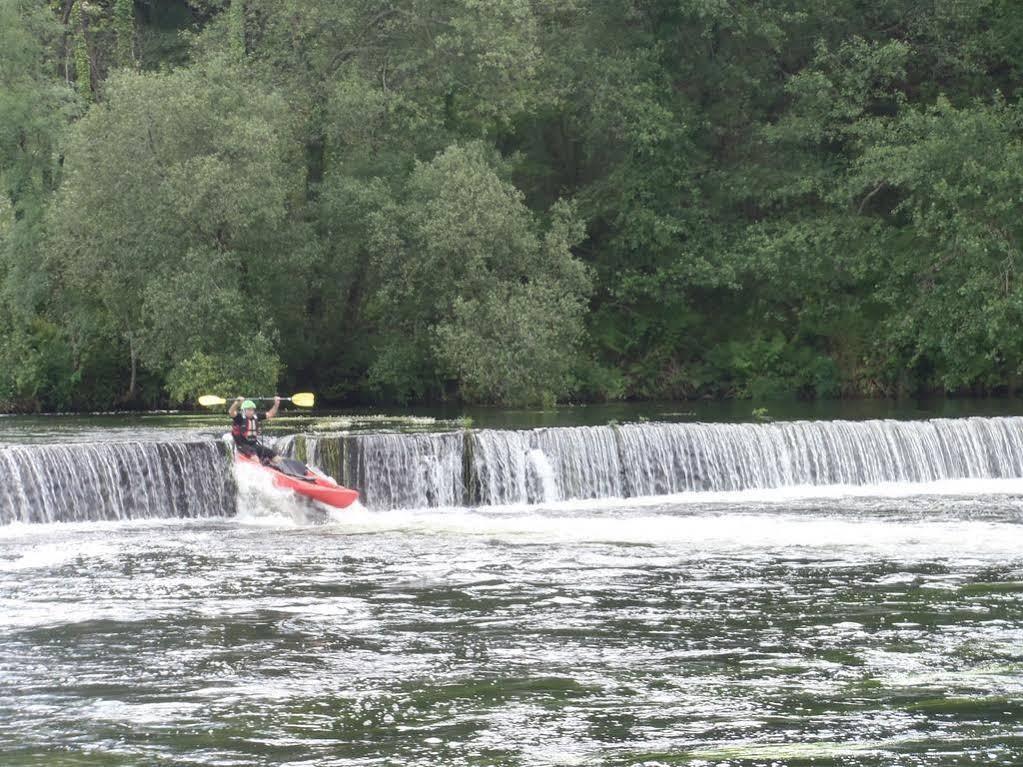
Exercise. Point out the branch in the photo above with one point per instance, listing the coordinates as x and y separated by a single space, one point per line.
880 185
342 56
160 168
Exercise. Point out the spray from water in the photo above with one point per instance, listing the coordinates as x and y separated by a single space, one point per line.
262 503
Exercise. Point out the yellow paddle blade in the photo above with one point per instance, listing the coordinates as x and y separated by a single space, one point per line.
209 400
303 399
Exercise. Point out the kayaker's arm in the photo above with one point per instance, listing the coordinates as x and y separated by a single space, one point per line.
233 410
272 412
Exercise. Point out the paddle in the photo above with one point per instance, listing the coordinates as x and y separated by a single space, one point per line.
302 399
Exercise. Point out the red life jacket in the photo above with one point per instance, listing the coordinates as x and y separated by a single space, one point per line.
248 430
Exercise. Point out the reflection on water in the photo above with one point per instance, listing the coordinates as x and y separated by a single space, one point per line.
120 427
876 630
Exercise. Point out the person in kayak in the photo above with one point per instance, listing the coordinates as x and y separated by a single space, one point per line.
245 429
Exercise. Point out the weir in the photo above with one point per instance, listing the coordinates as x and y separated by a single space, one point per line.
109 481
390 471
492 467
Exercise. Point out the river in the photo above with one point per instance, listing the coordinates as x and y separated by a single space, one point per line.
646 592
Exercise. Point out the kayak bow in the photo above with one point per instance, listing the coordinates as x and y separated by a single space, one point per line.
299 478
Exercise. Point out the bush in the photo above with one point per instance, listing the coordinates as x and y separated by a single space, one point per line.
250 368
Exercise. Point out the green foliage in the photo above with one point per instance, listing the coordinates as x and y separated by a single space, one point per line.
176 189
475 288
514 345
247 364
124 21
508 202
770 367
33 109
236 26
80 52
35 366
956 179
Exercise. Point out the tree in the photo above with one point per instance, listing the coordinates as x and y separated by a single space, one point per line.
174 187
35 363
476 289
954 236
507 201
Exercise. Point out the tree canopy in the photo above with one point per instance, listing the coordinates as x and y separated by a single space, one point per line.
508 201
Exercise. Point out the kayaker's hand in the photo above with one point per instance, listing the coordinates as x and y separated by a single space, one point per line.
277 401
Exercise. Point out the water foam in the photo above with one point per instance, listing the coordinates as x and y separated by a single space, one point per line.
261 503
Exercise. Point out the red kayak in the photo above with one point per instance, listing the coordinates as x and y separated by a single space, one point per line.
295 475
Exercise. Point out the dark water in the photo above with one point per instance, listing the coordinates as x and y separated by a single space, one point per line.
766 628
214 422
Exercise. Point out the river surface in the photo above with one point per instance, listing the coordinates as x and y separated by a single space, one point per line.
872 629
65 428
878 624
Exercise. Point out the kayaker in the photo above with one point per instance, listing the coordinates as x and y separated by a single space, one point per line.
245 429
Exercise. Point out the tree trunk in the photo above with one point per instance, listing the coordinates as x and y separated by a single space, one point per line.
65 41
66 13
133 353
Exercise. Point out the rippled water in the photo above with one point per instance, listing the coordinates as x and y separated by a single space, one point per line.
740 629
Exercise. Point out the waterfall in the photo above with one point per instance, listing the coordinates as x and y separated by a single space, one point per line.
659 459
390 471
546 465
494 467
395 471
97 481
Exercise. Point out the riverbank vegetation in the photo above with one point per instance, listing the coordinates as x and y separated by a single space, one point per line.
508 201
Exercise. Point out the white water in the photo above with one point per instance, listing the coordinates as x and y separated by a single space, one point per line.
797 623
402 470
952 519
260 502
533 468
51 483
662 459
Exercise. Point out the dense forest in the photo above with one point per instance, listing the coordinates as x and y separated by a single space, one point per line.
508 201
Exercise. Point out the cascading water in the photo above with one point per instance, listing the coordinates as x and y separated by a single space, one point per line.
98 481
547 465
492 467
826 625
658 459
678 458
391 471
397 471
